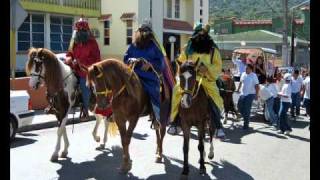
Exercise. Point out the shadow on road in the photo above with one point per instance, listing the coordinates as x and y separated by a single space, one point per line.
298 124
235 133
227 170
173 171
21 141
105 166
140 136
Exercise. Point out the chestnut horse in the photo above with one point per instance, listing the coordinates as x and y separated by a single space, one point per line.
194 111
129 102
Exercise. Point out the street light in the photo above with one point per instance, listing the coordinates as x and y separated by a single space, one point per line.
172 40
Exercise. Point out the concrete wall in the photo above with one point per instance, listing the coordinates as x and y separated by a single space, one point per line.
38 97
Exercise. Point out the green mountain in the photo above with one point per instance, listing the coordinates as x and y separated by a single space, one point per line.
248 9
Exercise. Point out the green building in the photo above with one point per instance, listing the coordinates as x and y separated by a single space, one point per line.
233 25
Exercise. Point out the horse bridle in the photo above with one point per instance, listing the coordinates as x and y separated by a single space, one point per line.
38 60
192 92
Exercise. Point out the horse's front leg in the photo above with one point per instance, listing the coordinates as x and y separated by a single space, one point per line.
95 129
55 154
186 137
201 149
211 133
105 137
160 132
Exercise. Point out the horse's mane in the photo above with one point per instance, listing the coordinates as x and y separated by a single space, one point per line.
117 73
53 72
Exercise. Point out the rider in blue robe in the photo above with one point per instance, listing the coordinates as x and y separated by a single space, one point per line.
144 47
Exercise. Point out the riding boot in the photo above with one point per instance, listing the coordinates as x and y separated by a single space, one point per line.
175 126
216 118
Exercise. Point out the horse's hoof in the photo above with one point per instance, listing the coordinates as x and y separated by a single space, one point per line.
203 171
125 168
64 154
97 138
101 147
159 159
54 158
183 177
210 156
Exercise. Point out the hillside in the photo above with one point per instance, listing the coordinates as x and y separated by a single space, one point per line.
248 9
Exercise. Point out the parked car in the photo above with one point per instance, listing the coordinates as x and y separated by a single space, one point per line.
21 112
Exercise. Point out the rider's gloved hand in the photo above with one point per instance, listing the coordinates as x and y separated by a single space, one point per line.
132 60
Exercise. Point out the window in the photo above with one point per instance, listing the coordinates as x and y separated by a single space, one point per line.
200 20
107 32
200 12
201 3
169 8
31 32
129 32
177 9
60 33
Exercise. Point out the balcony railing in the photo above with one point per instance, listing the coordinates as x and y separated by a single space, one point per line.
84 4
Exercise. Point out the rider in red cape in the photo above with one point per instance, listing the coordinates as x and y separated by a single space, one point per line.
83 52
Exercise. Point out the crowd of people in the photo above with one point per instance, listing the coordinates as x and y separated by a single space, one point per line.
279 92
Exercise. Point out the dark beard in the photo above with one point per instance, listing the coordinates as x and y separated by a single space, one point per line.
82 37
202 44
143 40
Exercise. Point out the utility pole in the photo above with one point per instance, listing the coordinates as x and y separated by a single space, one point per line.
285 34
292 39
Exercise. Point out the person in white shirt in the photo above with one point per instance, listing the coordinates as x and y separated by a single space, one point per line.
241 66
285 96
267 94
249 92
296 85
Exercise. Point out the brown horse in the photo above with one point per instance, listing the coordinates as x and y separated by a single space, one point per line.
194 111
129 102
226 93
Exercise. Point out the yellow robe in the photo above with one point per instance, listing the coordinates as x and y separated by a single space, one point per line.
208 82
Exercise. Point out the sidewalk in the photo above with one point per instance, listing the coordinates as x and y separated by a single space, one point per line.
40 120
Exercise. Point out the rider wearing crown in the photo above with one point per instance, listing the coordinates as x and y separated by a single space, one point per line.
83 52
202 47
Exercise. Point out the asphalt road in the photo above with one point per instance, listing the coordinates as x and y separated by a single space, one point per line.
260 154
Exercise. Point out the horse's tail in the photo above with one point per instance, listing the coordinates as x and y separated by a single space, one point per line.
112 128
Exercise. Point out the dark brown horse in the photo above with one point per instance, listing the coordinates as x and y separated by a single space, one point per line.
129 102
194 111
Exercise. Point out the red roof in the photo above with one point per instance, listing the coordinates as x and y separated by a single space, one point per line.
127 16
104 17
177 25
252 22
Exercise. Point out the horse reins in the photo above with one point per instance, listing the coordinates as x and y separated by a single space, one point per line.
107 91
191 92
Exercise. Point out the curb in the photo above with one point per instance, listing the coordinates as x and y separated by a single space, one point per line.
51 124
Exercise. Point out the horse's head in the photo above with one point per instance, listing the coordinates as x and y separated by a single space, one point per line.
97 81
187 75
35 66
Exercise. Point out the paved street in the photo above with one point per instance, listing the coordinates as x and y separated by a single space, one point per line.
257 154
